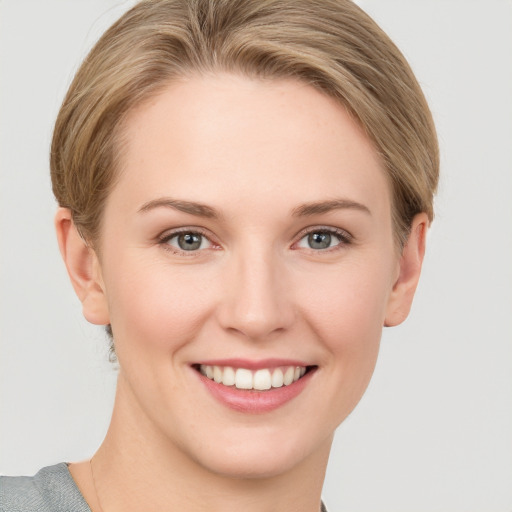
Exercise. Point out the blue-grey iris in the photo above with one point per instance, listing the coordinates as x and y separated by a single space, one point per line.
189 241
319 240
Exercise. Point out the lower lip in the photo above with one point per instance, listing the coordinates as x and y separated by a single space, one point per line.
253 401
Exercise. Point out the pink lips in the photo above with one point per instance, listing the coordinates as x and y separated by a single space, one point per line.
254 365
254 401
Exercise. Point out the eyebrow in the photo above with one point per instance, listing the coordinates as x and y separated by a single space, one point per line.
319 207
203 210
192 208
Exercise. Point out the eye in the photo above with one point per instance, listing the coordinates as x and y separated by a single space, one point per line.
188 241
321 239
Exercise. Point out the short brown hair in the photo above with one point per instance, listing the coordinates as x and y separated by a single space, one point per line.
330 44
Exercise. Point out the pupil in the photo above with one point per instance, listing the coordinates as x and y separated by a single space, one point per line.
189 241
319 240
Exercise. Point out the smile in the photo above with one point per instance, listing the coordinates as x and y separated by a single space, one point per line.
260 380
254 386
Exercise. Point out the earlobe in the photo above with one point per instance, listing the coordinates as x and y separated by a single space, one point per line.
83 268
402 294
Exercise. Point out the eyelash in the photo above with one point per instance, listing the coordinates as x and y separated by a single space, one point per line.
344 237
164 239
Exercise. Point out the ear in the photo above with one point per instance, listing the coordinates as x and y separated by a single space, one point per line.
402 294
83 269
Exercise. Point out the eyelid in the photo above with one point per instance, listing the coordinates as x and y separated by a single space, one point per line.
345 237
168 234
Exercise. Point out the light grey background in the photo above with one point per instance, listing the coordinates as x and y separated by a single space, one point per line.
434 431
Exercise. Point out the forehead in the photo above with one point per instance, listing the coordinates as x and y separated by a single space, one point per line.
205 136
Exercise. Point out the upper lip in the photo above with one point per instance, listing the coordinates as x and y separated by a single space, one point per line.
251 364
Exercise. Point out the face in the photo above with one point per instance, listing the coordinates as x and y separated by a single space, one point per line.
249 233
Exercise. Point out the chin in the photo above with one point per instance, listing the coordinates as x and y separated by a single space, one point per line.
248 465
258 457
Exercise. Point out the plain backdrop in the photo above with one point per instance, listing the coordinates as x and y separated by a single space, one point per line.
434 430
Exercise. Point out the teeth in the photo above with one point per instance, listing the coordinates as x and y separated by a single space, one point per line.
243 378
260 380
277 378
228 378
217 374
289 374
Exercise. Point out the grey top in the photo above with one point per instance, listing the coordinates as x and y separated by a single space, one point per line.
52 489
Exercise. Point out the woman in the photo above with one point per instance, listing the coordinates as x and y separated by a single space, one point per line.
244 190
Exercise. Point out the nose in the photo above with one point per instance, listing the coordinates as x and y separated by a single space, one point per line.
256 302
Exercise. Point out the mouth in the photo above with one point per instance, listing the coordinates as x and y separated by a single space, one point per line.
262 379
254 386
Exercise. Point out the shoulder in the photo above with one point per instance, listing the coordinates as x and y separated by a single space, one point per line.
52 489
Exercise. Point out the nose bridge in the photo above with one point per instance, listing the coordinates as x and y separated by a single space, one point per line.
257 303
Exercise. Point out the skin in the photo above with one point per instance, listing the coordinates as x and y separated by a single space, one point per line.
255 152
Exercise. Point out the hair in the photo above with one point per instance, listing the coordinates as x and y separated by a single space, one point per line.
331 45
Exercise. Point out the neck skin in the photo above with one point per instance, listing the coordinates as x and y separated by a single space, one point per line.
136 469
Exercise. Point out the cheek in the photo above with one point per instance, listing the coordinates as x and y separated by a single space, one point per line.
155 307
347 316
349 306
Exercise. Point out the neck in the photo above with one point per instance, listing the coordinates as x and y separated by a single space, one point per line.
137 468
